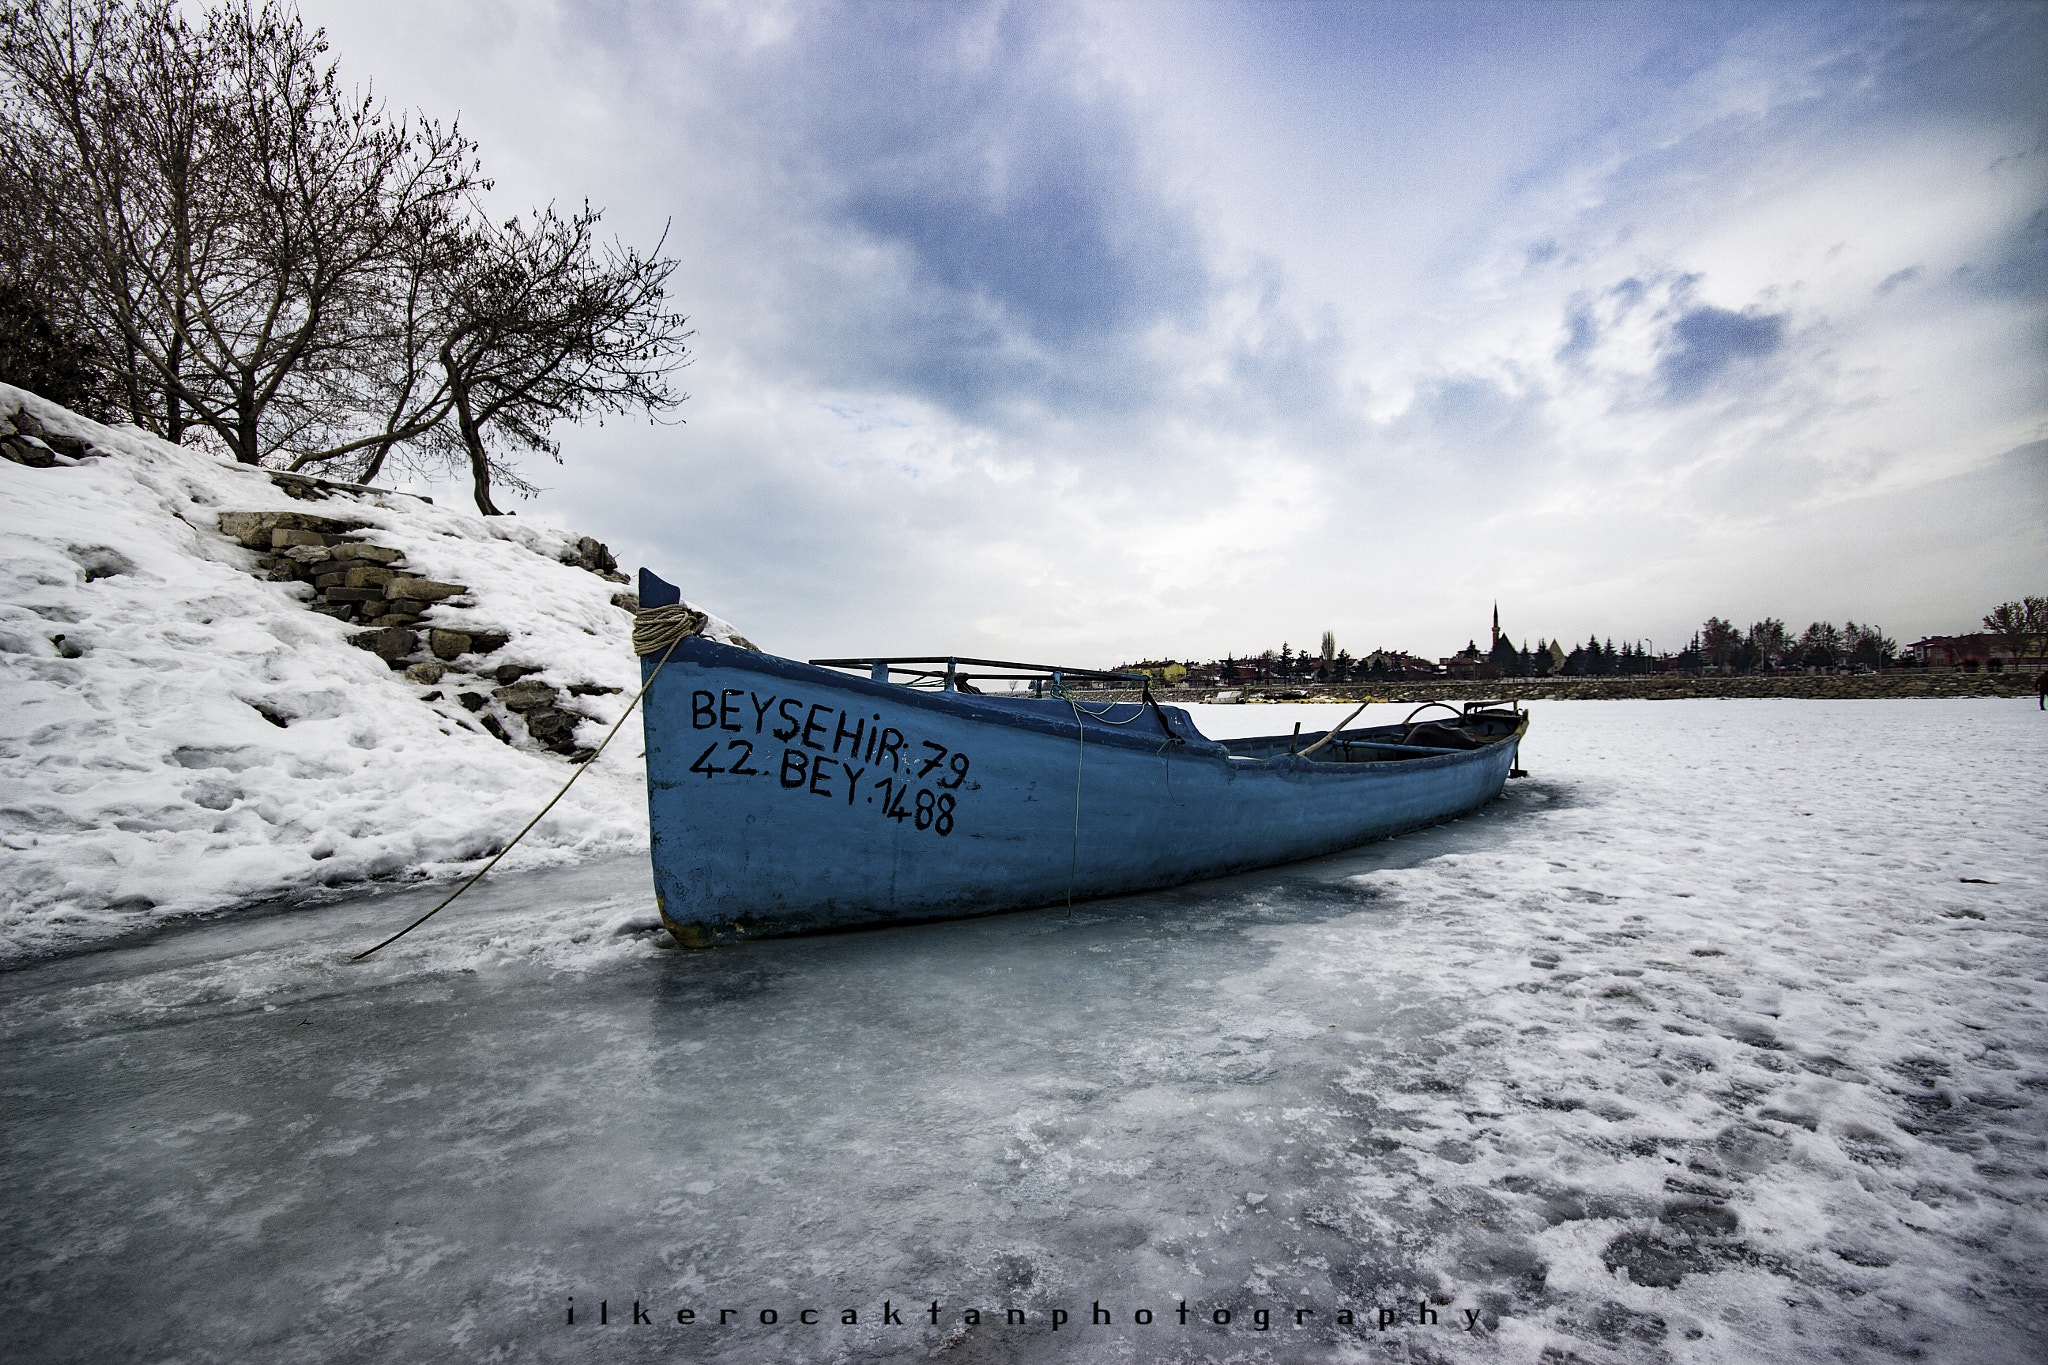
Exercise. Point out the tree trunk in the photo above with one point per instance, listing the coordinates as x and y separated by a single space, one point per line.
480 468
247 449
375 463
174 413
472 439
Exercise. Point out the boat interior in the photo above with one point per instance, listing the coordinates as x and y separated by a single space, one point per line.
1464 727
1431 730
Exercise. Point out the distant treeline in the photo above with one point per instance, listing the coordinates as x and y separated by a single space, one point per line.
1766 646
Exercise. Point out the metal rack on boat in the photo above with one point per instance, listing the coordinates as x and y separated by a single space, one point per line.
944 670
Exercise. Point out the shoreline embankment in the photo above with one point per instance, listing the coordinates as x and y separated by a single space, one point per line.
1888 685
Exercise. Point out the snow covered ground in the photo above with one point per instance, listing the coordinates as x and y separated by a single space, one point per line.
1697 1046
179 735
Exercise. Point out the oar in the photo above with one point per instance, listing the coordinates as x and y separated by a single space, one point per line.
1333 733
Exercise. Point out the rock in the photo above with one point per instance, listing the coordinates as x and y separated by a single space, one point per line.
255 529
447 644
66 445
27 450
307 521
283 538
369 576
595 556
511 673
627 601
592 690
390 644
550 726
471 701
426 674
298 486
491 723
337 594
333 578
248 528
308 554
421 589
394 618
341 611
525 696
375 554
27 423
488 641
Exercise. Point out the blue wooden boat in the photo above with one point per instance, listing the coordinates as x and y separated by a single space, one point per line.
787 797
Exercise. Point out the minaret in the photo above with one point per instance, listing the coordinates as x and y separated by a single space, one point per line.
1496 625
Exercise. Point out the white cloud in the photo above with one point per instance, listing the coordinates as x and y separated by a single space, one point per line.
1096 332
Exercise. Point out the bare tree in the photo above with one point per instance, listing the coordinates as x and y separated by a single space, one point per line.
237 214
333 194
546 326
400 332
106 135
250 251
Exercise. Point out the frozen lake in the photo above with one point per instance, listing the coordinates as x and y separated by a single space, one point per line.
1719 1038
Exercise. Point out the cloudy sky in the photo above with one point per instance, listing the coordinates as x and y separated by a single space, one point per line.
1087 332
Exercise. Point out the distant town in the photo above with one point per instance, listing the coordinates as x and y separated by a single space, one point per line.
2015 636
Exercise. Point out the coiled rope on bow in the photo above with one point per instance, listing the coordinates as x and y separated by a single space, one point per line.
655 629
659 628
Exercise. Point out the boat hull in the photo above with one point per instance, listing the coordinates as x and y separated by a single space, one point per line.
787 799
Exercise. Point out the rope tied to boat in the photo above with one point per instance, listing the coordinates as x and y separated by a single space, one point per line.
1060 690
655 629
659 628
1080 761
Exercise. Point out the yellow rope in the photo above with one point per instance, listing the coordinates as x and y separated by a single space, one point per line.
657 628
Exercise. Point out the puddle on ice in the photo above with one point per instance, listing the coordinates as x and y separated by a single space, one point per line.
1622 1067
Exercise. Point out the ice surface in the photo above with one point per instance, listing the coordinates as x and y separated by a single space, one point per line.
1696 1046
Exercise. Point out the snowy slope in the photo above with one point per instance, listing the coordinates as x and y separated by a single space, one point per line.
214 741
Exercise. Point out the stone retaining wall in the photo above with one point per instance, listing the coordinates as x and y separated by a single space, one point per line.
371 587
368 585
